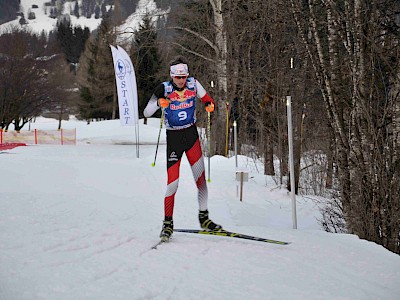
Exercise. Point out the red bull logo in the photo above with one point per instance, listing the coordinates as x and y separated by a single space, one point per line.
181 106
182 96
174 96
189 94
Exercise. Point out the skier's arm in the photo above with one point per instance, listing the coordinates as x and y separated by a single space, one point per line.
152 106
204 96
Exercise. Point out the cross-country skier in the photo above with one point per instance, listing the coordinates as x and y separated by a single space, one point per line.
177 98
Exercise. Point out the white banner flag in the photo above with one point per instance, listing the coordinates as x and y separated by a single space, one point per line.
131 83
126 87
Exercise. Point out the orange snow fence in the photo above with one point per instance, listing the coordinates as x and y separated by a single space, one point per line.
53 137
8 146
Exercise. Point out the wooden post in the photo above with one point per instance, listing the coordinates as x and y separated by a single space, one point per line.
227 129
242 176
241 186
291 162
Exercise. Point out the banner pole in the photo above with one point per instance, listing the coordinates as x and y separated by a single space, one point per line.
137 141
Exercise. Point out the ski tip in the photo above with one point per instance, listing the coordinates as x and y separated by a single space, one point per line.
161 241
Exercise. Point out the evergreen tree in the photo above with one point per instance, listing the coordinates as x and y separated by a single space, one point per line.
53 13
8 10
97 12
103 10
80 38
65 38
96 75
76 10
88 8
22 20
71 40
147 62
31 15
85 8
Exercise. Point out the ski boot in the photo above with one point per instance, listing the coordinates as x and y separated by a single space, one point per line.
167 229
206 223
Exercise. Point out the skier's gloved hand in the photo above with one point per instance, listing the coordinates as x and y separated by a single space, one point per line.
163 102
209 107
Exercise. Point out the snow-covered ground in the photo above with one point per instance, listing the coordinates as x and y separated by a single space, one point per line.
78 222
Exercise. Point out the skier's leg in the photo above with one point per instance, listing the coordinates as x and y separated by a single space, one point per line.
172 187
174 156
194 155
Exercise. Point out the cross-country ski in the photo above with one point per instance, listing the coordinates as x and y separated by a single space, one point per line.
224 233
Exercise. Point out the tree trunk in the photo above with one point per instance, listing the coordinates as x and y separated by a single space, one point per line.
221 70
268 154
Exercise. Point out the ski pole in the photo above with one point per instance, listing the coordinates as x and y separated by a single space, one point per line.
209 143
159 134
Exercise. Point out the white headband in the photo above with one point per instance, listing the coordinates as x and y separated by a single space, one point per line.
179 70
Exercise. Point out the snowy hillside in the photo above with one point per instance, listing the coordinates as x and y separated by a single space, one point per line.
44 22
132 23
78 222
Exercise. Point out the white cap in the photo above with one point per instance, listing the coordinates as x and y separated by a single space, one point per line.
179 70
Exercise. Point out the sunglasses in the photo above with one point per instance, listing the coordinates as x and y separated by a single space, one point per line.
180 77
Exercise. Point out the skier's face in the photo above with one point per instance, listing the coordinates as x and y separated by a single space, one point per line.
180 81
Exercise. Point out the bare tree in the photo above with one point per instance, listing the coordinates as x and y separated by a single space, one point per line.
26 83
356 64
